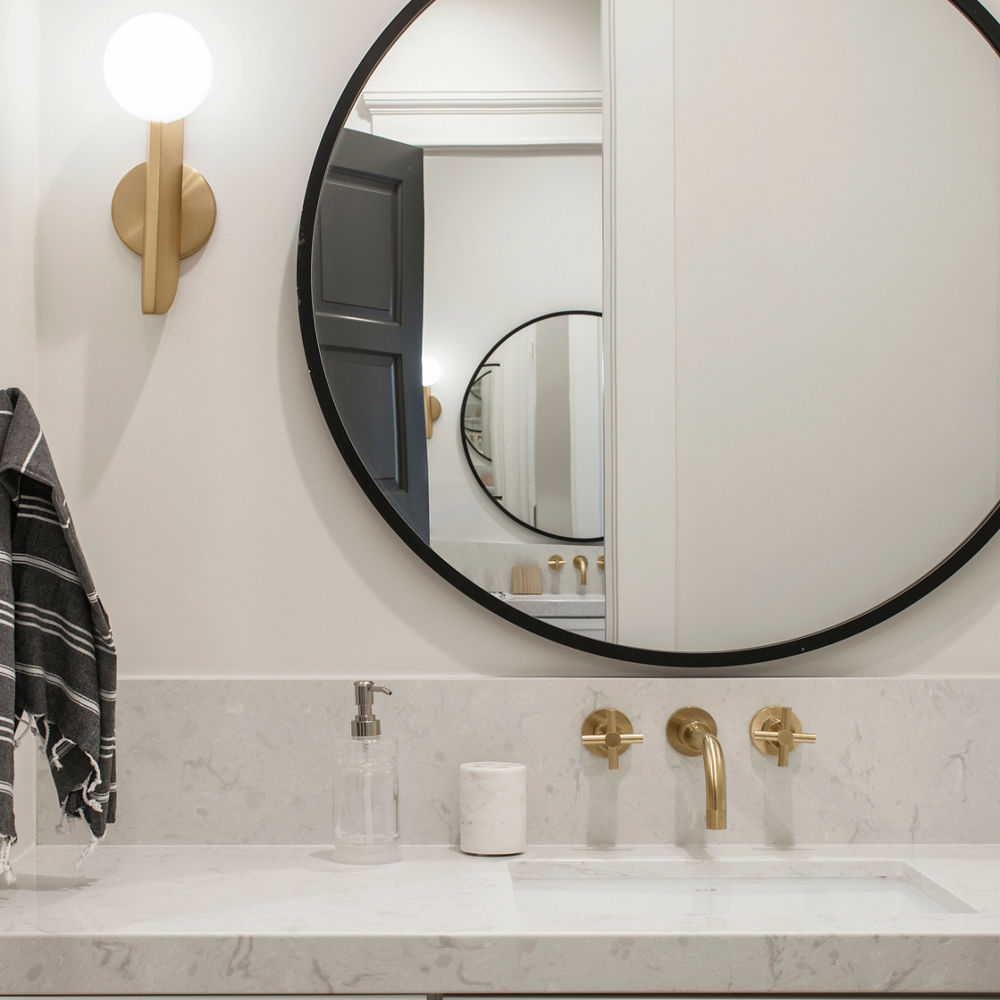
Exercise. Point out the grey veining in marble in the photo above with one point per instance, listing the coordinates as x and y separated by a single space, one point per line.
247 920
897 761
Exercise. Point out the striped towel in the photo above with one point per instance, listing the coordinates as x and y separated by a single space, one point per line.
57 656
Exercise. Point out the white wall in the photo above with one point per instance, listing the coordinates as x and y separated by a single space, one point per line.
640 480
19 209
18 191
513 45
836 241
225 533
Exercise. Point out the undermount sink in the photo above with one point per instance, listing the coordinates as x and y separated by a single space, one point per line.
737 887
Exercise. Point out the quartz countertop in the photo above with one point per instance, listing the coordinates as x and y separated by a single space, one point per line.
262 919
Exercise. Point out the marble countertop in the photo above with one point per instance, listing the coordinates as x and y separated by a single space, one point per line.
243 920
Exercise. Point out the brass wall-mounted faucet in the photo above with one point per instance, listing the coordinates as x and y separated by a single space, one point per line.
580 562
692 732
608 733
776 731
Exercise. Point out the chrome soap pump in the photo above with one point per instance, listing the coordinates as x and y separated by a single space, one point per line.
365 787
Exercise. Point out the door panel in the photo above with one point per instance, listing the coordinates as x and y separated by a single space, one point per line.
360 379
360 262
368 276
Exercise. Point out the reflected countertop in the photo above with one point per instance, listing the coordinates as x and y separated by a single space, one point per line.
289 919
558 605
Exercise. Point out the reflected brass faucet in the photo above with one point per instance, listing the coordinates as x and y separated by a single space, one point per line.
692 732
580 562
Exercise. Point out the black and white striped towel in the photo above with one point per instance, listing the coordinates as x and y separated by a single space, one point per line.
57 657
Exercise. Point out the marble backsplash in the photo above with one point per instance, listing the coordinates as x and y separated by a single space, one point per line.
249 761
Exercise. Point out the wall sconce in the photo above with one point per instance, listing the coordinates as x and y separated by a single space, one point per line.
432 407
158 68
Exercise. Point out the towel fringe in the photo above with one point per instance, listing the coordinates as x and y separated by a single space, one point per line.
30 726
87 851
6 872
87 800
91 784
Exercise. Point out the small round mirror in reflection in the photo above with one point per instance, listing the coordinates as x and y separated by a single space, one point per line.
532 425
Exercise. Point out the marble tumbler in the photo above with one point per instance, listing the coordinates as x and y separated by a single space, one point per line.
493 802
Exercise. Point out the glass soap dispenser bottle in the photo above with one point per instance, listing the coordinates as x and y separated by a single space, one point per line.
365 787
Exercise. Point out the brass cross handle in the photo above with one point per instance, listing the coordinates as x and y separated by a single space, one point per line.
608 733
776 731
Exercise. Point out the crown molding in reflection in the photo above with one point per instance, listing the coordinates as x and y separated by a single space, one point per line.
444 122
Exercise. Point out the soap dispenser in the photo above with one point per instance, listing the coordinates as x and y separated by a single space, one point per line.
365 787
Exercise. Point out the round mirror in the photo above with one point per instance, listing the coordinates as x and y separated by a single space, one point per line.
532 426
796 224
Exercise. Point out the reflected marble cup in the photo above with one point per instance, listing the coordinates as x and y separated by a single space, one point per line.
493 805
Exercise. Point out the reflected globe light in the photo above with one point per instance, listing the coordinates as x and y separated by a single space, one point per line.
431 369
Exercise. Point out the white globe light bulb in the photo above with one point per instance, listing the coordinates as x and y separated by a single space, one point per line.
431 369
158 67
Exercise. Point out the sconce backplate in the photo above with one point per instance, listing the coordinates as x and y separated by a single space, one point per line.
128 208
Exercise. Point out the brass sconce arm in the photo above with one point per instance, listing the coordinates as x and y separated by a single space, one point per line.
163 211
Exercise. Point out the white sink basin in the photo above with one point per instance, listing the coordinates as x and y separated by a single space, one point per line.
751 887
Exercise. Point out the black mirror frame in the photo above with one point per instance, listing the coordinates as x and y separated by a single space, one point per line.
478 374
987 26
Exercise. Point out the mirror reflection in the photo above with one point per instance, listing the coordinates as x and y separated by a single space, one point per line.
801 374
532 426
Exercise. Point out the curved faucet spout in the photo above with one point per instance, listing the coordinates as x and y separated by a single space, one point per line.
715 783
691 731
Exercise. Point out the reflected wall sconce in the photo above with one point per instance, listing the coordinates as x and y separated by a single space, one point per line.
159 69
432 407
